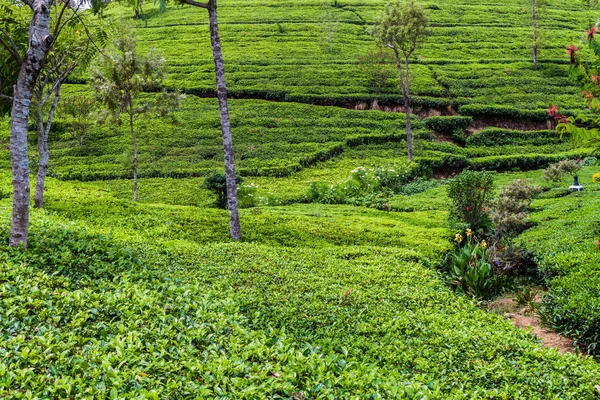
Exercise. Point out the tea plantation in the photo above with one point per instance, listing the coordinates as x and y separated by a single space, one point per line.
340 287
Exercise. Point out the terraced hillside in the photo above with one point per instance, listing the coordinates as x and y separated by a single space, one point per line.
478 53
322 298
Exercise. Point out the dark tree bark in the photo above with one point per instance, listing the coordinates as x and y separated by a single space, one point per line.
40 41
232 200
43 132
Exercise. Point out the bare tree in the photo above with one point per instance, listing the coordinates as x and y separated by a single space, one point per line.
403 28
328 24
536 9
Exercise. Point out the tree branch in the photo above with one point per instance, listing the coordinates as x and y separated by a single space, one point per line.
10 45
195 3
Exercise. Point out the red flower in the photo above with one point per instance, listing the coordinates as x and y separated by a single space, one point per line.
553 111
595 78
590 34
572 50
468 208
501 248
564 120
589 96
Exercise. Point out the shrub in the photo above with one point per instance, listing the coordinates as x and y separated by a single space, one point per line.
471 192
471 270
447 125
510 211
217 183
557 171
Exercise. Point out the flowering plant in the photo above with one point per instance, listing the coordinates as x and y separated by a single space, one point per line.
471 270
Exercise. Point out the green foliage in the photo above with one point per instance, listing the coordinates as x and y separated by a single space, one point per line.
557 171
471 193
505 137
376 65
447 125
527 297
471 269
403 25
217 183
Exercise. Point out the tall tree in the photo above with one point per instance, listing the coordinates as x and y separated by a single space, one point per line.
403 27
40 41
232 198
118 80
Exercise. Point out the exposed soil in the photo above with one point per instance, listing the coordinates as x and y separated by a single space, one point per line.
526 318
422 112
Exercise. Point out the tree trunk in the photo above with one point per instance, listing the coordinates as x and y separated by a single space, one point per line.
232 201
407 108
534 25
135 153
43 132
39 43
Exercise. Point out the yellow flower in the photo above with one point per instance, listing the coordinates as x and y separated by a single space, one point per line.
484 244
458 238
469 233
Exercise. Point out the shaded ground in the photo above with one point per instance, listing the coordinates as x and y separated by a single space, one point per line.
526 318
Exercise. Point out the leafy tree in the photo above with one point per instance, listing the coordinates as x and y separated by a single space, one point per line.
403 27
119 78
80 111
376 66
29 58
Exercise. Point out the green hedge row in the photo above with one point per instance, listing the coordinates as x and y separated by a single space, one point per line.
495 111
564 239
447 125
504 137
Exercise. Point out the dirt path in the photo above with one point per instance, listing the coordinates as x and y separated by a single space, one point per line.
527 319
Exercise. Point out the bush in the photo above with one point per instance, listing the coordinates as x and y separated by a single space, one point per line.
557 171
471 193
447 125
217 183
510 212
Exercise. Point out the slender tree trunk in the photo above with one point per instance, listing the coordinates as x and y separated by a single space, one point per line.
135 154
43 132
407 108
404 87
534 25
232 200
39 44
